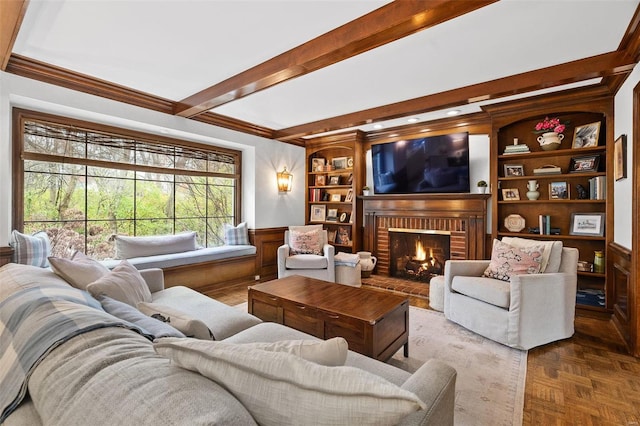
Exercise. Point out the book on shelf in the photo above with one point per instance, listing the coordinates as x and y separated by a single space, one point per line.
598 188
516 149
544 224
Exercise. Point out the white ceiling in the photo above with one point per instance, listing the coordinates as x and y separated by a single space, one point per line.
174 49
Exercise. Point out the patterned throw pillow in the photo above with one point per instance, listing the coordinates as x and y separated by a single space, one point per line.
507 260
31 249
236 235
305 242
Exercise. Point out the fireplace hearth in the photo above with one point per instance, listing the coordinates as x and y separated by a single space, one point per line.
418 254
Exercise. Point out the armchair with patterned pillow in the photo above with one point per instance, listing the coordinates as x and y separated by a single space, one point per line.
523 297
306 252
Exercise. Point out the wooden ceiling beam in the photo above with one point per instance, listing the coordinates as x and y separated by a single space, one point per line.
607 64
630 46
381 26
11 15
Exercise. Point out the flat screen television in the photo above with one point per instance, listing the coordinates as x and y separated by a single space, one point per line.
435 164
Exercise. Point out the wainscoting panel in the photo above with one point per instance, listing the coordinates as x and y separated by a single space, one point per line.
624 309
267 241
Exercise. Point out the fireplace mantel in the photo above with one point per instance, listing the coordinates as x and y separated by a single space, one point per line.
464 215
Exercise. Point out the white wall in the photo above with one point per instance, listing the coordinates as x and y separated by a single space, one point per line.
262 206
623 189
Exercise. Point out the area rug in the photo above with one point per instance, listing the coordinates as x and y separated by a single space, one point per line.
491 377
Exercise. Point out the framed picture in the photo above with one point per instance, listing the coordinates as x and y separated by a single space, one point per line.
332 215
350 162
321 180
558 191
513 170
344 217
343 236
334 180
331 235
586 136
349 197
510 194
318 213
350 179
336 198
591 224
620 158
339 163
317 164
584 164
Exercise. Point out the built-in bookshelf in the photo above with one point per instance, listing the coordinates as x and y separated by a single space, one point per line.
335 177
560 194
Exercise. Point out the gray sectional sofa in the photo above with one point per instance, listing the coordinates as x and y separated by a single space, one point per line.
109 371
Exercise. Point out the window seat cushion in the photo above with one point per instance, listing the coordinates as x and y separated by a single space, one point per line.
185 257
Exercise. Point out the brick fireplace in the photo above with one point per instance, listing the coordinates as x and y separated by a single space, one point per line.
462 217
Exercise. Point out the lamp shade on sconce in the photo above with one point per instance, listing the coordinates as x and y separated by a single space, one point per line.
284 180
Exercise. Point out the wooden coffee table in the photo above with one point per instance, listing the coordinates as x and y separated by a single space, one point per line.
374 322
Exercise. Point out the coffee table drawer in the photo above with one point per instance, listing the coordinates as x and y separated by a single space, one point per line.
300 317
352 329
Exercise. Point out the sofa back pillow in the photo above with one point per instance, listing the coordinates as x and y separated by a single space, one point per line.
123 283
79 271
31 249
130 247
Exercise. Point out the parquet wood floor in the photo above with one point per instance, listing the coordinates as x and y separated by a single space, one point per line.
587 380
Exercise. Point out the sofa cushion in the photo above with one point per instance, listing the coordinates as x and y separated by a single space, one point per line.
123 283
31 249
283 389
489 290
152 326
507 260
551 256
306 261
236 235
79 271
331 352
128 247
221 319
306 242
186 324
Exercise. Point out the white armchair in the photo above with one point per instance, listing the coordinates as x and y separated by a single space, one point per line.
320 266
527 311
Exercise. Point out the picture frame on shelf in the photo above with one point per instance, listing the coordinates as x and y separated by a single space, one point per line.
334 180
510 194
350 179
339 163
317 164
584 164
587 224
321 180
336 198
318 213
349 197
620 158
332 215
513 170
350 162
586 136
344 217
343 235
558 190
331 235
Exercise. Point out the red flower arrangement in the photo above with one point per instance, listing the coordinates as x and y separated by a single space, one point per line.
550 125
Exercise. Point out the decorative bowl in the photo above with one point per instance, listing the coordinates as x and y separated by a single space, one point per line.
550 146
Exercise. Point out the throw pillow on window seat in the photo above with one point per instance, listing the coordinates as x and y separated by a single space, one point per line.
31 249
130 247
236 235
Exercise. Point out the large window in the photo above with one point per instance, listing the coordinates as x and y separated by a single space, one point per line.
83 183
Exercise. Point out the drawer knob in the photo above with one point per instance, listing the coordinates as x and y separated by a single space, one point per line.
334 316
302 307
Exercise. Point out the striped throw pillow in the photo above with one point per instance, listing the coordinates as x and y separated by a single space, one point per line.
236 235
31 249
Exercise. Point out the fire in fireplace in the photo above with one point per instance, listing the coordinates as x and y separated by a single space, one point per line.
418 254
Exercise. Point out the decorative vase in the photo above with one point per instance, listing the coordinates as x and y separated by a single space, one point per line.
367 263
533 193
550 140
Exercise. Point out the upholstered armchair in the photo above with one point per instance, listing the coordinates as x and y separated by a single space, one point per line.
525 311
306 251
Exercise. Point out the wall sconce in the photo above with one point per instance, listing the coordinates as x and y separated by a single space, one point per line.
284 180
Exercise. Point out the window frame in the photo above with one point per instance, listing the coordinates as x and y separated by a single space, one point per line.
20 116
